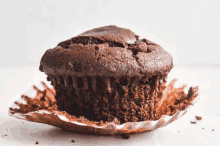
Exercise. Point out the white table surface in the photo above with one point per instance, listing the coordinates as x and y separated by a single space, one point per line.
16 81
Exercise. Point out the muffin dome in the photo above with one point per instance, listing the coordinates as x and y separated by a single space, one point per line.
106 51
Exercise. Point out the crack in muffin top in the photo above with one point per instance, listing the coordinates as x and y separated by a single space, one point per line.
108 51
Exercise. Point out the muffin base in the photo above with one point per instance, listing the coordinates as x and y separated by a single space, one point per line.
107 99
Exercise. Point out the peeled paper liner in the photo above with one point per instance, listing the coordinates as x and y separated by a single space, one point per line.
63 120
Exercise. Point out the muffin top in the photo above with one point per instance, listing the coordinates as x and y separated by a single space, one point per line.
108 51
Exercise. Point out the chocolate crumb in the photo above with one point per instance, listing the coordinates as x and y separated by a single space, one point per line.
193 122
5 135
212 129
73 141
125 136
202 128
198 118
37 142
178 131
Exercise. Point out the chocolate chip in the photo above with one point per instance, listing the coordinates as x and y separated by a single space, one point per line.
37 142
212 129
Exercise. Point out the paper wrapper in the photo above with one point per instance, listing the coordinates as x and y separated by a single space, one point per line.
42 108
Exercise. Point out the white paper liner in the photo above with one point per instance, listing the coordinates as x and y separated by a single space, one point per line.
71 123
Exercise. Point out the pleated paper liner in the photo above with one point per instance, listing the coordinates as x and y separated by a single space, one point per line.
43 109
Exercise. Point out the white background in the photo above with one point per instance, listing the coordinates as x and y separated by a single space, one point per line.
189 30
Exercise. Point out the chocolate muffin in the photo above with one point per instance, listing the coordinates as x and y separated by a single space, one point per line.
108 73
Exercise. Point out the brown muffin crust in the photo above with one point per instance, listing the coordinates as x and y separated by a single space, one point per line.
108 73
108 51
